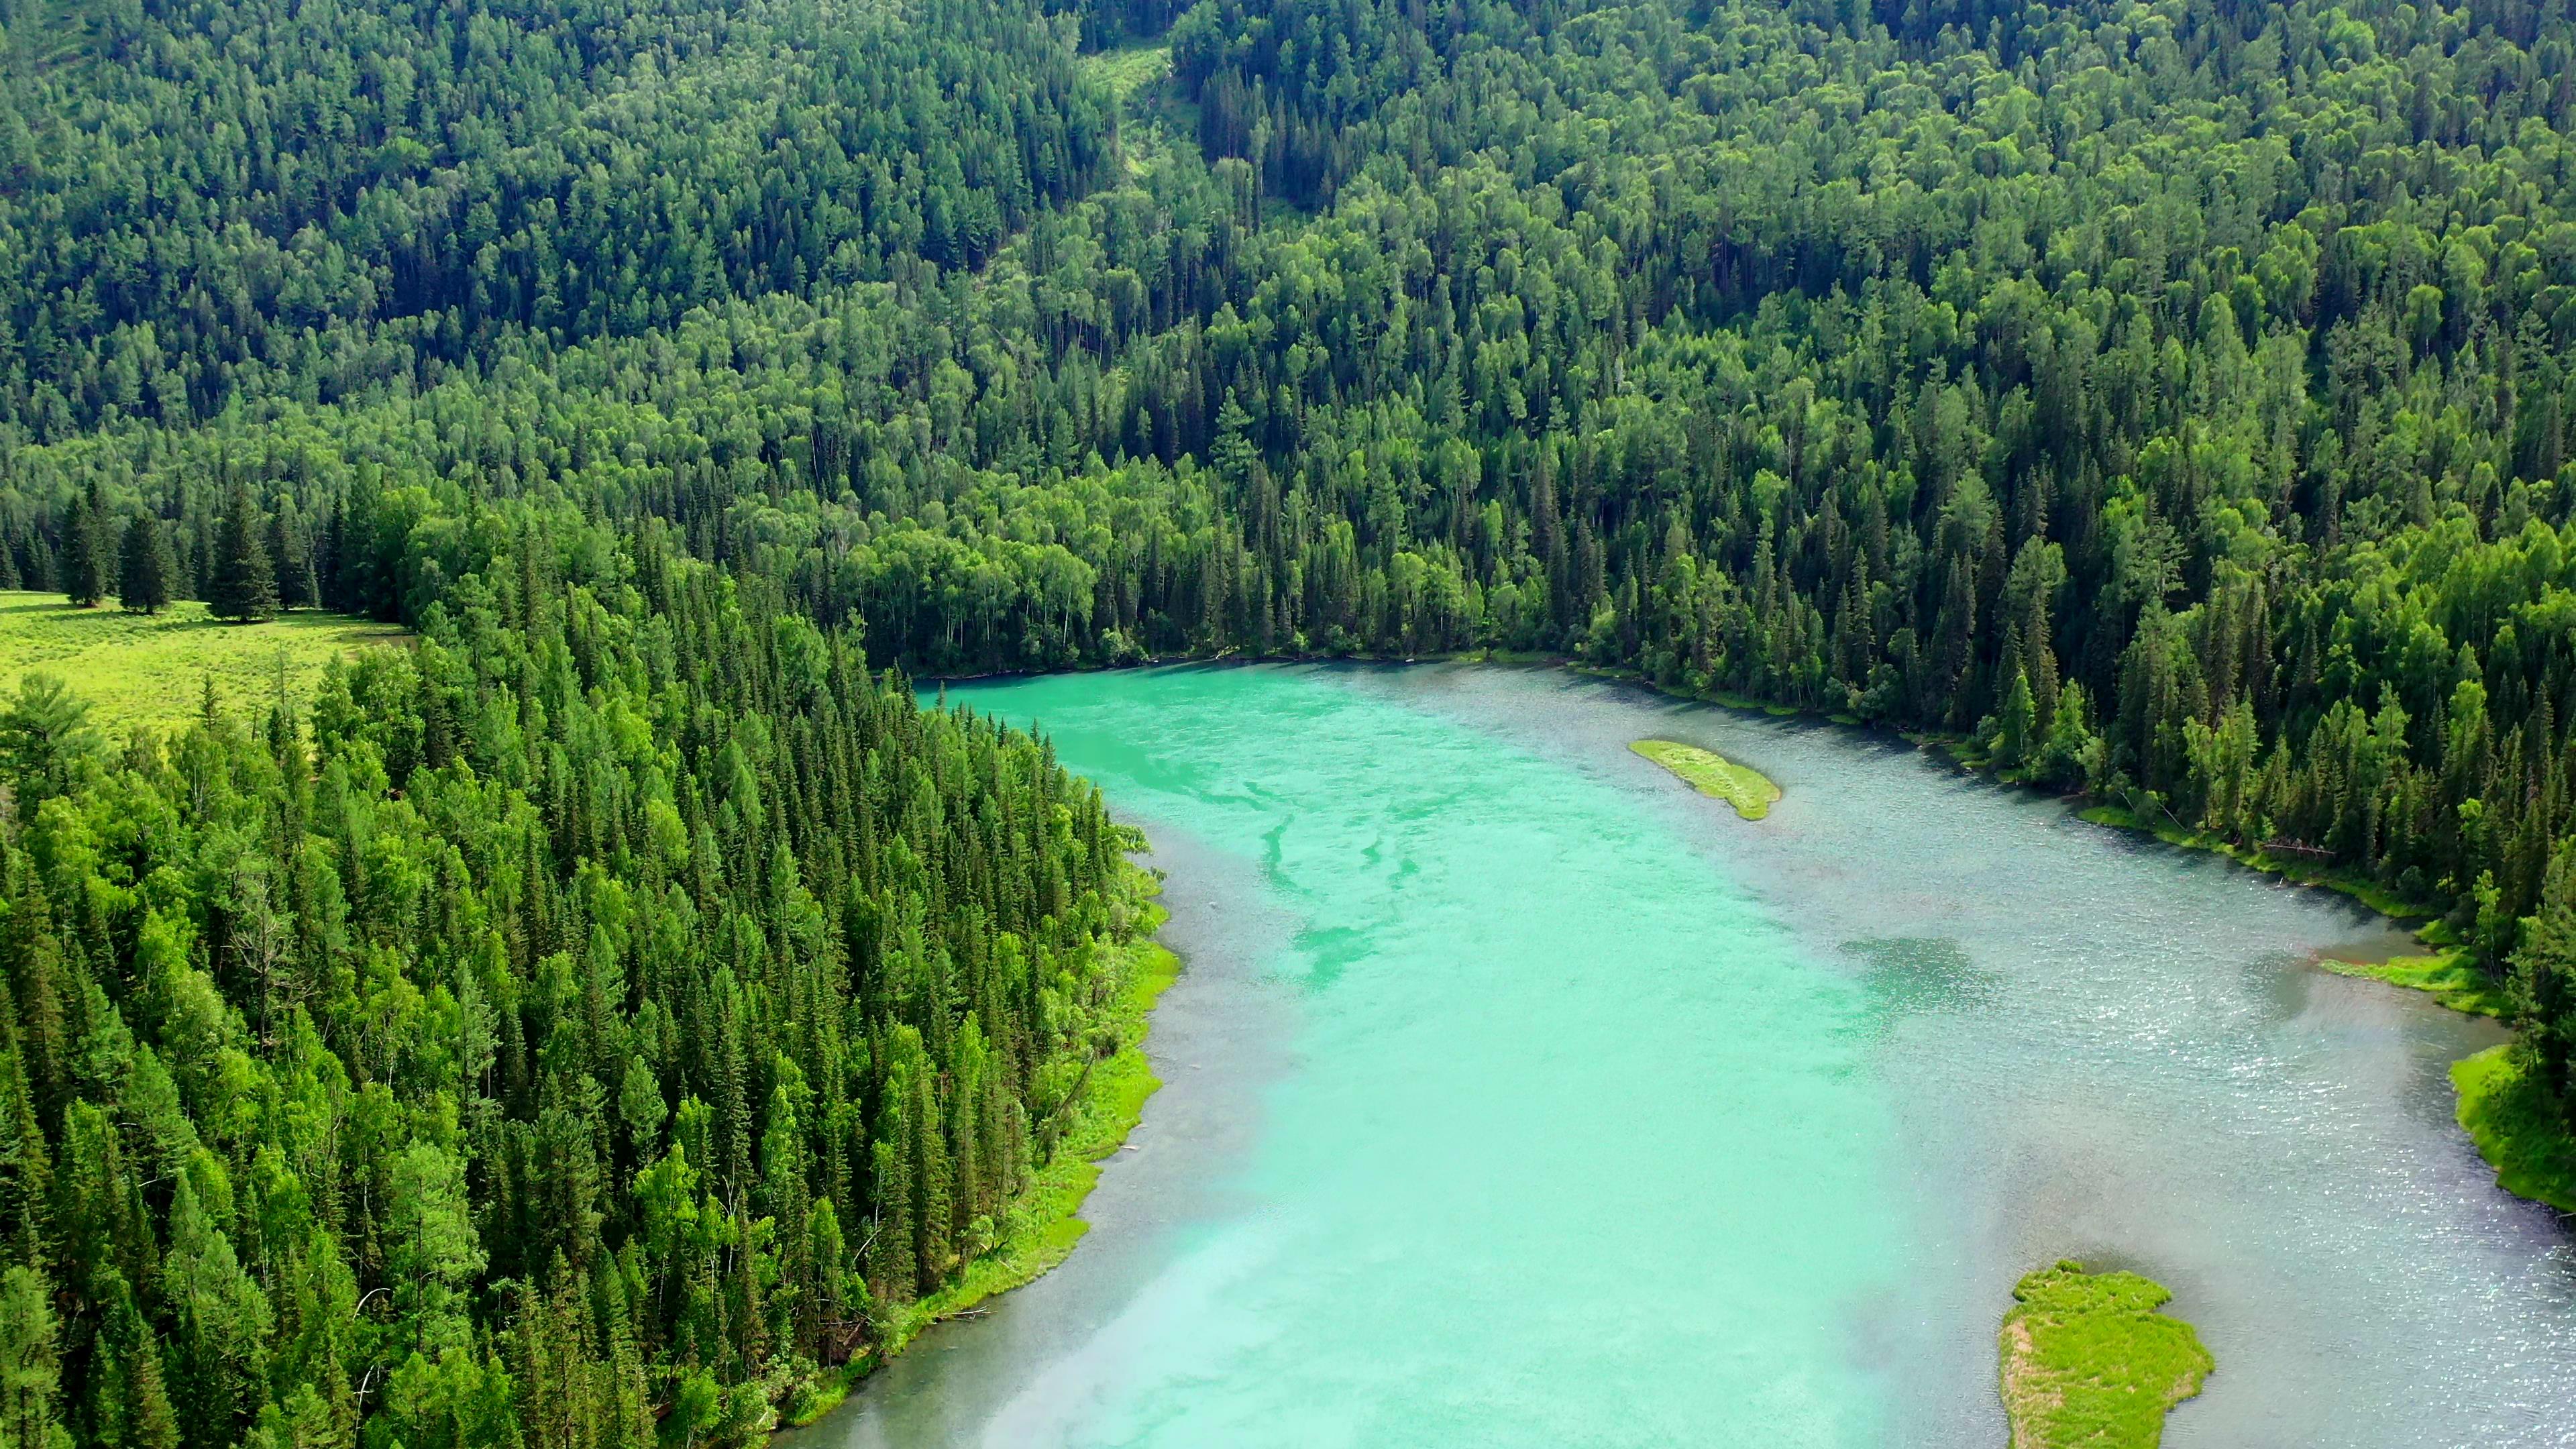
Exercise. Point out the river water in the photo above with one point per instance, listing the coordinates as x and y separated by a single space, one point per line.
1517 1095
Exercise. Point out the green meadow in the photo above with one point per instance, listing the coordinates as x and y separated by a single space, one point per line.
151 670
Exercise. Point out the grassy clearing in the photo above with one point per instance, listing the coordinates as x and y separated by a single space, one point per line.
2087 1360
1712 774
151 671
1129 67
2517 1129
1043 1228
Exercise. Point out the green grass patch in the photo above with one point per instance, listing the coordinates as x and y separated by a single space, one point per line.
1124 70
2450 976
1043 1226
150 671
2087 1360
2518 1130
1712 774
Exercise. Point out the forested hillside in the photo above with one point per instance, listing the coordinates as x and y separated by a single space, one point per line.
620 1006
2173 400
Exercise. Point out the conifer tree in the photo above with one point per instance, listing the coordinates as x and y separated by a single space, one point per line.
30 1373
292 559
83 565
144 566
244 586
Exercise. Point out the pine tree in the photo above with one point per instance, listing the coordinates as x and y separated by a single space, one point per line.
296 586
129 1404
30 1374
244 586
144 566
83 566
2013 725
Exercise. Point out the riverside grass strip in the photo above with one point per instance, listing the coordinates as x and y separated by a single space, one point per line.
1045 1224
2517 1129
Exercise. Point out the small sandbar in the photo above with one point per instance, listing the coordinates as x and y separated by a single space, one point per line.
1747 789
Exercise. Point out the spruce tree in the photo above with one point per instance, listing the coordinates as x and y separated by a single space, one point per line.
244 587
144 566
296 586
30 1372
84 557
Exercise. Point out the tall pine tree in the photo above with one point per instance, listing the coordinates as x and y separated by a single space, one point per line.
84 559
144 566
244 586
293 558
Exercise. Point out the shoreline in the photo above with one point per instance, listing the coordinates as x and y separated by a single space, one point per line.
1045 1222
2443 971
2533 1158
2530 1150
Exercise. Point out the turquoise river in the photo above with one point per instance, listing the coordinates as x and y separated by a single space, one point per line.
1516 1095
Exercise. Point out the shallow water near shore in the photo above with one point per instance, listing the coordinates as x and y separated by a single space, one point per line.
1517 1095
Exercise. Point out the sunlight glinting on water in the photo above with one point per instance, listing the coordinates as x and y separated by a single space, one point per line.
1518 1095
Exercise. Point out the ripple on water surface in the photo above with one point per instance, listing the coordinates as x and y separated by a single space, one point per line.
1518 1095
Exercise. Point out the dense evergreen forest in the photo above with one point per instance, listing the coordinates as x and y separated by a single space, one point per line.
586 1026
619 1007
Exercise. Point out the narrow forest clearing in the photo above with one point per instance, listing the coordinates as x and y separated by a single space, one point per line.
150 669
1129 67
1747 789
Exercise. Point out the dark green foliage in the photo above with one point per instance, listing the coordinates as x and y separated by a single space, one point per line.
84 561
407 188
314 1136
244 582
144 566
292 562
2174 403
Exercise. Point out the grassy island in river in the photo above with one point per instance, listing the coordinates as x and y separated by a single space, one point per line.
2088 1360
1747 789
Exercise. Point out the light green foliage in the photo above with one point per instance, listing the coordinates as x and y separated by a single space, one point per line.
2448 975
1714 775
1122 71
30 1368
148 671
2088 1362
2519 1131
432 1253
